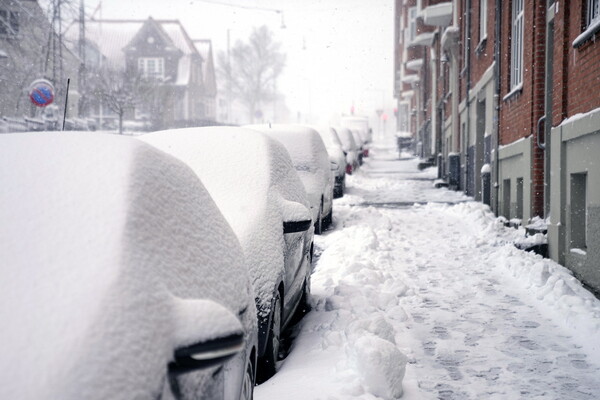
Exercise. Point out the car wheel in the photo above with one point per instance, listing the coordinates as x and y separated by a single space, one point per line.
319 222
328 219
248 384
268 362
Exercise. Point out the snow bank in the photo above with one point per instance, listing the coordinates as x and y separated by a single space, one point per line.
251 178
102 237
560 294
349 340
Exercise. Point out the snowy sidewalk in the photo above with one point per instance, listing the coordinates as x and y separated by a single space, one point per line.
434 301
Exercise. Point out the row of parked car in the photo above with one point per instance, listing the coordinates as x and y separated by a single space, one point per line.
161 266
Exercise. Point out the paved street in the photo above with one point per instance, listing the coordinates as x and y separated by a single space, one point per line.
439 287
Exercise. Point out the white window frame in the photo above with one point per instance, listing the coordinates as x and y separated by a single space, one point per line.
152 67
593 12
482 20
412 24
516 50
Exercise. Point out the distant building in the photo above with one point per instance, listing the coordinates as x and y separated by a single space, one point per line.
167 63
30 49
209 95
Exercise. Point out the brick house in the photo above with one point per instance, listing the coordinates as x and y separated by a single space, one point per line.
161 53
511 93
573 138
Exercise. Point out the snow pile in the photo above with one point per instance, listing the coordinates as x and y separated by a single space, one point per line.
251 178
356 290
381 366
559 292
102 238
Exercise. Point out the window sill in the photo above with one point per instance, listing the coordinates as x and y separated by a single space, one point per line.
516 90
481 46
587 35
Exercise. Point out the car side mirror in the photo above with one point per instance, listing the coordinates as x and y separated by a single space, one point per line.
296 226
197 347
206 354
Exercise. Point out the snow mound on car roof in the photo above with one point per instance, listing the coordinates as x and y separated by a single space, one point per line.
309 157
347 139
101 236
252 180
303 143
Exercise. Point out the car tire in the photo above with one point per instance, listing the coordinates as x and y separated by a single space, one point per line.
267 367
319 222
248 383
328 220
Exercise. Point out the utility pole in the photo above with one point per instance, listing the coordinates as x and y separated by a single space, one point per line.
82 65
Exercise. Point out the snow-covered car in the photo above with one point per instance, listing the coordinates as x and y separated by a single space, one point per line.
360 144
120 277
311 161
251 178
360 123
336 157
350 148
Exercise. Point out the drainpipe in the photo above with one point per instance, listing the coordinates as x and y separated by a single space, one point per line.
497 47
468 89
548 89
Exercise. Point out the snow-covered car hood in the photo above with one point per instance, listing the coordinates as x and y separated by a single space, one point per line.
102 237
252 180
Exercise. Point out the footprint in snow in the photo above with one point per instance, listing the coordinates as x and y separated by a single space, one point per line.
441 332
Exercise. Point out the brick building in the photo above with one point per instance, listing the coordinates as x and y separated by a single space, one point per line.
506 96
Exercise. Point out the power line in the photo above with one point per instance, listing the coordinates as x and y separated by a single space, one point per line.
221 3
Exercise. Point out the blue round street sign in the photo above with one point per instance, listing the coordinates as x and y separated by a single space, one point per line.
41 92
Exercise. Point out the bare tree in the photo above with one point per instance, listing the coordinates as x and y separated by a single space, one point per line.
251 69
119 90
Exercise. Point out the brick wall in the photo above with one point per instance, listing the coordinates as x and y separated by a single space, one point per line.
577 70
520 112
482 53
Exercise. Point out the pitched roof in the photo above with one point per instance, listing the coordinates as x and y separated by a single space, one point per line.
112 36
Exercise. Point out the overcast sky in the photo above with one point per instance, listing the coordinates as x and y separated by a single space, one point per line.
338 51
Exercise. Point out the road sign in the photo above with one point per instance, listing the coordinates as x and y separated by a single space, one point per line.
41 92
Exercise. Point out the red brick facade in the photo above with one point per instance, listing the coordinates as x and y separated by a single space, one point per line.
576 74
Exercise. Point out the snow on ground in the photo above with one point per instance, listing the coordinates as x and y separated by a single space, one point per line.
433 301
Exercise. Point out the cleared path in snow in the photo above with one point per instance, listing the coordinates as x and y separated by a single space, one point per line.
440 289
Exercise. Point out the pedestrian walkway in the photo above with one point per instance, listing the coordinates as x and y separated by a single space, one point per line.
419 292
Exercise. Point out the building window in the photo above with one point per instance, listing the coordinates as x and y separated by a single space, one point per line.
412 24
482 20
9 23
516 44
593 12
578 222
152 67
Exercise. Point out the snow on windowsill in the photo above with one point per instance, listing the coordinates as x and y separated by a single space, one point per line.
587 34
579 251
